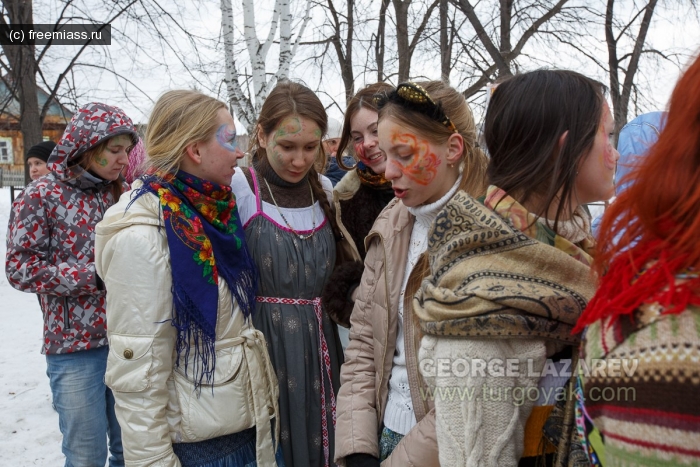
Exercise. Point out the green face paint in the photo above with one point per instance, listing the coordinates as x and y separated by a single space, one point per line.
101 160
290 126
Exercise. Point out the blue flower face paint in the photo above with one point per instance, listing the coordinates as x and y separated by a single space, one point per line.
226 136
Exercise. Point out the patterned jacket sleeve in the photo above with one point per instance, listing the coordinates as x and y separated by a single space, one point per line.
28 263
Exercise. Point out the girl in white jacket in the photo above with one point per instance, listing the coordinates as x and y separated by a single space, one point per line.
190 375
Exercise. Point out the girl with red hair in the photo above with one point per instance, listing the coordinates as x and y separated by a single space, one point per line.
640 371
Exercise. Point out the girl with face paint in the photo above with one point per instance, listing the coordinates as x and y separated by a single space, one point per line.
510 271
358 199
291 233
427 134
51 253
192 380
646 305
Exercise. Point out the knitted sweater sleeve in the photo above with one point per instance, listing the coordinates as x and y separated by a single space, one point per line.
481 416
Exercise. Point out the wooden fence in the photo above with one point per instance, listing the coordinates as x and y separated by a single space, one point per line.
13 178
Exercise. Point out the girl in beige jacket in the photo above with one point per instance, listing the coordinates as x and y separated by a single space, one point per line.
385 415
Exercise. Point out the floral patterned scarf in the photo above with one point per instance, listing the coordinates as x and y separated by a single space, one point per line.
206 243
370 178
508 208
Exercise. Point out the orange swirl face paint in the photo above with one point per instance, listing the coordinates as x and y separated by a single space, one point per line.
421 166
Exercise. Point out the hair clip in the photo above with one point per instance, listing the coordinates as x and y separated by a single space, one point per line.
414 97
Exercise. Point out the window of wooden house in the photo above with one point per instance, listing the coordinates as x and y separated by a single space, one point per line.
6 151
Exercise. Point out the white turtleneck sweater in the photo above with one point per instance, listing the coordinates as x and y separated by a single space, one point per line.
399 416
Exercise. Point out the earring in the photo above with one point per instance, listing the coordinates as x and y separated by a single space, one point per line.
450 165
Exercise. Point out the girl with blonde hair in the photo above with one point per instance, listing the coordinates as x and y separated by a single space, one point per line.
191 376
427 134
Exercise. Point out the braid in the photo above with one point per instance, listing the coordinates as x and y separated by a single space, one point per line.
320 195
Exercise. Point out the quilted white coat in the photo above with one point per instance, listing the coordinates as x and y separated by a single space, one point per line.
156 404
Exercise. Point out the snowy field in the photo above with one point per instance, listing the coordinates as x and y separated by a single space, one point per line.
29 434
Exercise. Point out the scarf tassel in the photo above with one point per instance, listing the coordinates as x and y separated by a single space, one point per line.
243 283
193 335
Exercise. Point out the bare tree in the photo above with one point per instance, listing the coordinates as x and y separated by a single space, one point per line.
406 45
492 50
23 64
246 104
379 41
21 68
626 63
445 42
343 43
629 56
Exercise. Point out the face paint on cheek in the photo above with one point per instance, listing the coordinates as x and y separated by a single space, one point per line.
276 155
607 158
360 151
101 161
422 167
226 137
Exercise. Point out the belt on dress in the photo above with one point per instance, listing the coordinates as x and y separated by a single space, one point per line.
324 357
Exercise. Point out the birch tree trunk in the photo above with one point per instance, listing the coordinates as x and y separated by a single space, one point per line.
238 101
246 106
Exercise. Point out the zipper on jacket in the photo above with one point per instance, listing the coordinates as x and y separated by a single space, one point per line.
66 323
99 201
414 380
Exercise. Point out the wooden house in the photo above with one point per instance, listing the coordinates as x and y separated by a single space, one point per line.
12 146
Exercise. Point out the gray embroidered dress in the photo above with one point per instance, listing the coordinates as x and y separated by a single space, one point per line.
293 272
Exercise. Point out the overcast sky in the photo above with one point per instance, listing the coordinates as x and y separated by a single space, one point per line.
154 68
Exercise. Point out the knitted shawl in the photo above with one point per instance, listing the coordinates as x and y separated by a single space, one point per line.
490 279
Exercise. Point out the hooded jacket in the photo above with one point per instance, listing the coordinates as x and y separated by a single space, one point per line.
50 239
636 138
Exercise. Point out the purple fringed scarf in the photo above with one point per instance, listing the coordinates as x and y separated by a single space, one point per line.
206 243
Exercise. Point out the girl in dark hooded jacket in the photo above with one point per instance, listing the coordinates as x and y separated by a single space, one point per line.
50 252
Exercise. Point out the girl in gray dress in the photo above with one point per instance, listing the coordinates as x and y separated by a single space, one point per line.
291 232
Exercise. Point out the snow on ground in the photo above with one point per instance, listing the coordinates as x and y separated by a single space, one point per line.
29 434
